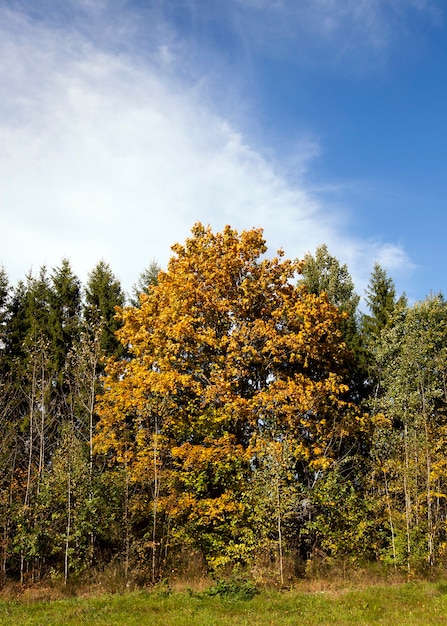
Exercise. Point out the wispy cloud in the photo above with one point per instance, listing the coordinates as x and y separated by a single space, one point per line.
333 30
105 155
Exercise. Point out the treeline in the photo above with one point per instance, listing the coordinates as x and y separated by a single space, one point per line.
239 411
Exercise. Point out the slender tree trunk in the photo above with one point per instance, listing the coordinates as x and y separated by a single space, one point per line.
91 375
7 525
417 516
155 503
91 408
279 525
42 423
27 498
407 499
430 538
68 533
393 540
31 437
126 520
85 359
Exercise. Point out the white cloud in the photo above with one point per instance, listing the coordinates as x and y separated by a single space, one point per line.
349 35
103 157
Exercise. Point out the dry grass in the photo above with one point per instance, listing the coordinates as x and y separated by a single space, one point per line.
190 575
413 604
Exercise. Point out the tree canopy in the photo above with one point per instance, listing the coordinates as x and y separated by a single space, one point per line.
225 349
238 411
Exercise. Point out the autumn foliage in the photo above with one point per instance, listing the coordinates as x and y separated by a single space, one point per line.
227 354
240 415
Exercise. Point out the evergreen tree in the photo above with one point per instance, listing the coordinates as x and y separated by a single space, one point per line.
43 315
9 436
384 307
148 278
65 311
16 327
37 312
103 294
381 301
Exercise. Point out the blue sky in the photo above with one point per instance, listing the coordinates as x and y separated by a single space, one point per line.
122 123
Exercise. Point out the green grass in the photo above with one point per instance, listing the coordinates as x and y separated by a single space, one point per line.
412 603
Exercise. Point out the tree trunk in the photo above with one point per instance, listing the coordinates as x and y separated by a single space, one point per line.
390 516
68 533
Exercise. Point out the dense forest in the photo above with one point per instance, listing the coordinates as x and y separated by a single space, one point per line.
237 411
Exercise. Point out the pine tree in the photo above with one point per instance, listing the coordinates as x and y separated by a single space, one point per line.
65 312
381 301
148 277
103 294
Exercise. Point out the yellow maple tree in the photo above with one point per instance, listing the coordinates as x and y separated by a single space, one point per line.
225 351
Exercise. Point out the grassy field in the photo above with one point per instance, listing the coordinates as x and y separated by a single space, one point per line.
412 603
